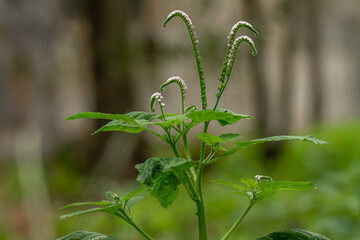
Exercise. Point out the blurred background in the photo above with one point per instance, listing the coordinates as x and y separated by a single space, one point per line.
61 57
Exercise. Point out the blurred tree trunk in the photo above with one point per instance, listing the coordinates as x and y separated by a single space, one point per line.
111 64
313 38
253 13
290 26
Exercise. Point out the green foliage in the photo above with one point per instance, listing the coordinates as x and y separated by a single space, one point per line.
223 116
294 234
159 175
85 235
116 207
244 144
163 176
263 187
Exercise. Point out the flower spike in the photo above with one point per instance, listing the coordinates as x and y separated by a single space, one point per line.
234 30
235 47
229 63
175 79
194 42
187 21
156 96
179 81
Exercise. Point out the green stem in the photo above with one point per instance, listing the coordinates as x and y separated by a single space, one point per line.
200 205
238 221
188 156
140 230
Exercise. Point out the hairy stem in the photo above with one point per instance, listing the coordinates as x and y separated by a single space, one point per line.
238 221
200 205
140 230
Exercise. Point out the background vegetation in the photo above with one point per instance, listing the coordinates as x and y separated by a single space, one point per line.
67 56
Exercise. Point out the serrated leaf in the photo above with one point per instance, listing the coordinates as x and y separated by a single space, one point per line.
122 126
227 183
165 189
210 139
243 144
294 234
250 183
285 185
223 116
98 115
149 170
235 117
85 235
132 201
139 115
309 138
102 203
127 197
173 119
221 148
109 209
157 174
229 137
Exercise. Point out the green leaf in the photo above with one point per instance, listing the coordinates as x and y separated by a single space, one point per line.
285 185
102 203
110 209
309 138
231 120
223 116
294 234
122 126
139 115
132 122
131 202
229 137
210 139
243 144
127 197
165 189
264 187
173 119
98 115
157 174
227 183
85 235
149 170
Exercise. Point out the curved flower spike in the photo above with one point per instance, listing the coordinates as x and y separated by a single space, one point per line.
187 21
179 81
229 63
175 79
235 47
194 42
190 108
156 96
236 27
231 37
262 178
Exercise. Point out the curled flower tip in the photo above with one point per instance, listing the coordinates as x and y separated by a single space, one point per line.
156 96
236 45
176 79
236 27
261 178
187 21
190 108
178 13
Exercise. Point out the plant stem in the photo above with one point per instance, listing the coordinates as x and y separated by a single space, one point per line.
238 221
140 230
188 157
200 205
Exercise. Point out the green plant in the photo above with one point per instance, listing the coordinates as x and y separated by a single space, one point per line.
163 176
